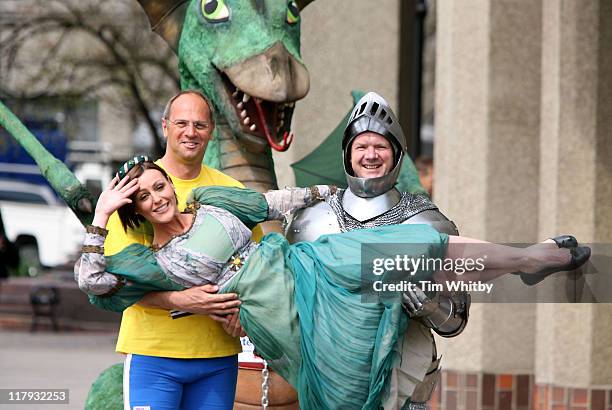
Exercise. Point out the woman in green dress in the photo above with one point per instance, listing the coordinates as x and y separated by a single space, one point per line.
302 304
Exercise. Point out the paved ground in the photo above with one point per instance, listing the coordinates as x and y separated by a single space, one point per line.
64 360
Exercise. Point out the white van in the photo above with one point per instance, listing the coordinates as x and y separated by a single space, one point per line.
45 230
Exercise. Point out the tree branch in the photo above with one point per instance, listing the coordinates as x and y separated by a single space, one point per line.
115 56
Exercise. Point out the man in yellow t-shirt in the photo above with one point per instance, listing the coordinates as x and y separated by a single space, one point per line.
155 374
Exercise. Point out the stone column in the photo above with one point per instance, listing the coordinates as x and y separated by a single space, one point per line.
523 151
486 157
576 191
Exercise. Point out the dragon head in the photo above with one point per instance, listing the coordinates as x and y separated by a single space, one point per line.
244 55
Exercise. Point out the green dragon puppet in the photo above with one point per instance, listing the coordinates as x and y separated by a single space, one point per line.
245 56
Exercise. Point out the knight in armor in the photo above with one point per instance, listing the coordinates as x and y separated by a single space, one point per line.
374 147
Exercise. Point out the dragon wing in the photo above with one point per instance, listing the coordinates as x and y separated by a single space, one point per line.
166 18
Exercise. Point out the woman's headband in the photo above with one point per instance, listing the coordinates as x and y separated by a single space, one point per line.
125 168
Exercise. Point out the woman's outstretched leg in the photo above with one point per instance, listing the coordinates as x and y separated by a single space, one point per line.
552 255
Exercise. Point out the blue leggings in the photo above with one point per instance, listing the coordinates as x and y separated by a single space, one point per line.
187 384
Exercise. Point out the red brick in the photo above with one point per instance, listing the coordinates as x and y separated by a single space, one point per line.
579 396
535 399
471 400
451 400
545 397
471 380
504 382
488 390
559 395
451 380
522 390
598 400
505 400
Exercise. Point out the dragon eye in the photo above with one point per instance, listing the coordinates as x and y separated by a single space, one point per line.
215 11
293 13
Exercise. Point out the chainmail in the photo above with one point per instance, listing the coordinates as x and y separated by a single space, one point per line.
408 206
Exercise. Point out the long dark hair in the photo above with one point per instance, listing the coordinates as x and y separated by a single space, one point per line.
127 213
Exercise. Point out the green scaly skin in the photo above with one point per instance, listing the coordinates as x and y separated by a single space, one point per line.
207 51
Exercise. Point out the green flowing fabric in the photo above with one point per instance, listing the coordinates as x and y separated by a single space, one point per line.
247 205
267 286
138 266
302 304
341 351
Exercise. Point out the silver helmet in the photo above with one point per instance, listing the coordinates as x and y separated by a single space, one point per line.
372 113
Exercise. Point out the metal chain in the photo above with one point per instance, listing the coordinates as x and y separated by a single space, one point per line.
265 376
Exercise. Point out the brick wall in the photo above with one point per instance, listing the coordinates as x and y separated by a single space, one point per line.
484 391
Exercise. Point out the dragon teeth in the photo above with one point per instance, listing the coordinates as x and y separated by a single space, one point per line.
281 114
235 93
240 106
253 127
247 120
243 113
291 104
246 98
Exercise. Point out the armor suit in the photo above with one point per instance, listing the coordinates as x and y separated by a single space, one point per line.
372 202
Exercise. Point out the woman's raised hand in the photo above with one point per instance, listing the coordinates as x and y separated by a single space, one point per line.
116 194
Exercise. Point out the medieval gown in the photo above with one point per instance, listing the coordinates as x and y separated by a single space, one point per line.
302 304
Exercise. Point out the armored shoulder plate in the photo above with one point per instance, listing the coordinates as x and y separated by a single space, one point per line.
435 219
309 223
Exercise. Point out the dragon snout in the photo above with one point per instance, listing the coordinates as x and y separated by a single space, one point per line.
274 75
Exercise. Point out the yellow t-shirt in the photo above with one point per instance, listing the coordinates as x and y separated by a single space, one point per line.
152 332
